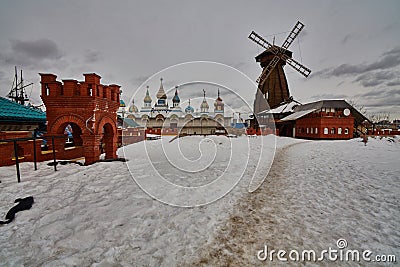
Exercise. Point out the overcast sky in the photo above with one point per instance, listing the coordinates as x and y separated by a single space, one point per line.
352 47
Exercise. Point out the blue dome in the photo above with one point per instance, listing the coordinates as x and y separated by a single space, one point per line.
122 103
189 109
176 98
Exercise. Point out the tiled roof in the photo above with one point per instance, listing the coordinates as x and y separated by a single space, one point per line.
14 112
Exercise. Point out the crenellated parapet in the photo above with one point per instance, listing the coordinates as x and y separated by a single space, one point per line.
90 87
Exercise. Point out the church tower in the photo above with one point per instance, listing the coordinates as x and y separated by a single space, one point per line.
204 105
161 98
218 105
146 102
176 100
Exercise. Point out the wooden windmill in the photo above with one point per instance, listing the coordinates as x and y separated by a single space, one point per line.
272 81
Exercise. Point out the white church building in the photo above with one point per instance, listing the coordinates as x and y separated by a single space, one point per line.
161 118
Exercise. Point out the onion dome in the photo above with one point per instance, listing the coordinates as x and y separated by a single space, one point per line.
161 93
204 104
189 108
147 98
176 98
121 103
133 108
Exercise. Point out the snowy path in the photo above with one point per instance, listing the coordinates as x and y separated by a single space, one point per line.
96 215
316 193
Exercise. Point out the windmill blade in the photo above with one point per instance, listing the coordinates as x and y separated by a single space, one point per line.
267 70
262 42
297 66
293 34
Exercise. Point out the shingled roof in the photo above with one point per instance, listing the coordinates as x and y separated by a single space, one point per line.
14 112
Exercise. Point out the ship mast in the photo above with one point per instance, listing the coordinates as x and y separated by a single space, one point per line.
17 93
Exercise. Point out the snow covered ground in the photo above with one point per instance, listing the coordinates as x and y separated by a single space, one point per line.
316 193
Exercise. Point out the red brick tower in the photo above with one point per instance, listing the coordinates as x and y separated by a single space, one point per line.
89 107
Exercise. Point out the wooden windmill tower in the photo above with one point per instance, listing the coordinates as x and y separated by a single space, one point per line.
272 81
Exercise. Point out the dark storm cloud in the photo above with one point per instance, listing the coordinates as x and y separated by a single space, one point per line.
92 56
370 83
380 76
372 79
384 102
393 83
40 54
389 59
381 98
375 74
394 92
39 49
388 100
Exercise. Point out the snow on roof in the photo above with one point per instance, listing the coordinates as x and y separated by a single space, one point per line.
297 115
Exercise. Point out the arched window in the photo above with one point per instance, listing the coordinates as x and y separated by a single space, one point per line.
339 130
307 129
312 130
316 130
346 131
332 130
326 130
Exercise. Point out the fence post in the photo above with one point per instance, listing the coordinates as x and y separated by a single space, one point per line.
54 153
17 161
34 153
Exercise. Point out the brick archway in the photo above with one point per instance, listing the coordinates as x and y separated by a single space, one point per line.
56 126
107 129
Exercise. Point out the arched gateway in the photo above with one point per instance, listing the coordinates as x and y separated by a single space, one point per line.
89 108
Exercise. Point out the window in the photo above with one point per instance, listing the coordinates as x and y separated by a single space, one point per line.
326 131
332 130
47 89
339 130
346 131
316 130
312 130
307 129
